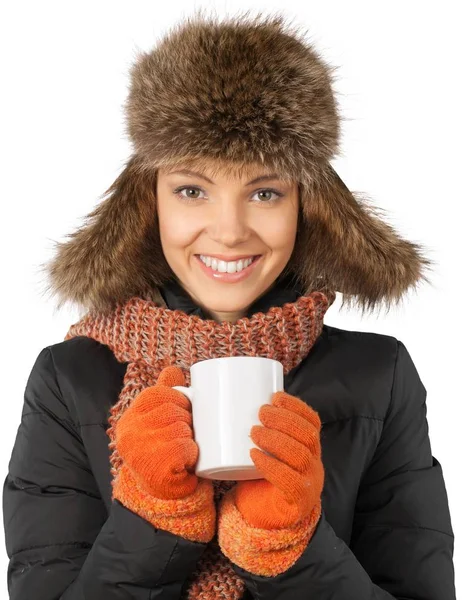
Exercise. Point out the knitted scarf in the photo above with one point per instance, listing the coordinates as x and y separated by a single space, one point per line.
150 337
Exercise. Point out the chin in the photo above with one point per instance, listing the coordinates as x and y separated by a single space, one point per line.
225 307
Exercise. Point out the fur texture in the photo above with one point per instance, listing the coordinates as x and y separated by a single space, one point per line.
229 93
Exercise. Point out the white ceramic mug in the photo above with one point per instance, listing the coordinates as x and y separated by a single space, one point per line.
226 394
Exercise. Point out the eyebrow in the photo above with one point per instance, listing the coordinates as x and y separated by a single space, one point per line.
256 180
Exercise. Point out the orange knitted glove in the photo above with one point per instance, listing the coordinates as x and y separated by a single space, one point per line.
265 524
156 480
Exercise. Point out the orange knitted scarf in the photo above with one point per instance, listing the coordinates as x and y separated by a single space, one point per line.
150 337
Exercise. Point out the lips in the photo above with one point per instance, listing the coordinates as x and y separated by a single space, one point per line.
218 260
228 277
228 259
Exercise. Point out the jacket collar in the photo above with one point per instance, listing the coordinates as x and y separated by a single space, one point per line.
282 292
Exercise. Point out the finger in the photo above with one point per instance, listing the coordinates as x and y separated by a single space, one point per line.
298 406
150 441
157 395
176 430
283 477
283 447
159 489
293 425
165 414
170 468
157 418
277 508
170 376
169 460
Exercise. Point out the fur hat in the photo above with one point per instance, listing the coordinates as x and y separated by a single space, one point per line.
236 91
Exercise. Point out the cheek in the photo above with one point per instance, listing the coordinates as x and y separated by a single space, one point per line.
176 231
278 232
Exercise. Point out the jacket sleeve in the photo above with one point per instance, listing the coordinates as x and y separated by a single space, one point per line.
60 539
402 539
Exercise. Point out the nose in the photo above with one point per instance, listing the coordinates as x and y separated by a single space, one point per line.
229 223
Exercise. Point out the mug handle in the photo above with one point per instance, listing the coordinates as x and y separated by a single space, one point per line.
187 391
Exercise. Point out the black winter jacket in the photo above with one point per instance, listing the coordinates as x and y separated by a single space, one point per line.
385 531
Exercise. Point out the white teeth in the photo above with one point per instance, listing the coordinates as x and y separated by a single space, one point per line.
225 267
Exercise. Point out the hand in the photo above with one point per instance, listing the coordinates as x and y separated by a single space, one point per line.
154 438
294 475
156 479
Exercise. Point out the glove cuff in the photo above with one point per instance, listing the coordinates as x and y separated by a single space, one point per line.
266 552
192 517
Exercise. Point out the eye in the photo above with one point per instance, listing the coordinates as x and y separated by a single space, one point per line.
270 191
189 188
192 188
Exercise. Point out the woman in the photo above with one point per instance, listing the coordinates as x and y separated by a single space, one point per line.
101 499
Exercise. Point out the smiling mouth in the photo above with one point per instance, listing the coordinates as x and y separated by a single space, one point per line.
228 259
231 276
244 263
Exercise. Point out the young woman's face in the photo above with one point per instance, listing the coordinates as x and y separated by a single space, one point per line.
233 217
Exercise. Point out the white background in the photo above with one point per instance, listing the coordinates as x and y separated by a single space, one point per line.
64 81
